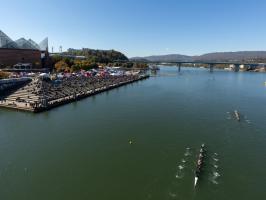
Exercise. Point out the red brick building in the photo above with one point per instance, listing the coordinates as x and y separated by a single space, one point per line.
10 57
23 52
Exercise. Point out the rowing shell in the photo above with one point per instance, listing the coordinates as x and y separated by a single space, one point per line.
195 181
237 115
199 165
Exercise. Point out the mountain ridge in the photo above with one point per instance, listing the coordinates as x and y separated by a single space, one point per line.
215 56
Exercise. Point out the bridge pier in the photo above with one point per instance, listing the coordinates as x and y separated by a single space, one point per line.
44 103
211 65
237 67
179 67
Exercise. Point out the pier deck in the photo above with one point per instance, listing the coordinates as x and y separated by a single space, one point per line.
40 106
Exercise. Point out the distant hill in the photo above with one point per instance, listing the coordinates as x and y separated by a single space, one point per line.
102 56
139 59
232 56
247 56
165 58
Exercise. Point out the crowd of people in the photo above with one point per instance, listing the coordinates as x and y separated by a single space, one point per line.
43 92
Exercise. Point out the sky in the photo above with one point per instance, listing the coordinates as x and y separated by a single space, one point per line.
139 27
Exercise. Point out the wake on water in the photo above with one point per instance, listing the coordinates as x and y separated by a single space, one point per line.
213 161
180 168
179 175
243 118
213 180
214 175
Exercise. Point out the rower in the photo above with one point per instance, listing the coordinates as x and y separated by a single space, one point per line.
199 162
197 172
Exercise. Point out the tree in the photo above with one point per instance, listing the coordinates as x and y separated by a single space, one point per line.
68 61
56 58
62 66
75 68
4 75
98 56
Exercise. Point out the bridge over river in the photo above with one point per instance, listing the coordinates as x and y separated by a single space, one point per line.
212 64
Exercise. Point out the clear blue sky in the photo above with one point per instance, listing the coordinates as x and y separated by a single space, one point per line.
140 27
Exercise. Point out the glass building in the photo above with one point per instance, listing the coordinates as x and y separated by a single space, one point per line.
23 51
6 42
22 43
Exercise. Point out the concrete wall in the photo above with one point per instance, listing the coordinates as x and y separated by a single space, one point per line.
10 57
6 84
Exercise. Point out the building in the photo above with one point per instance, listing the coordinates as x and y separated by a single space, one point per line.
22 52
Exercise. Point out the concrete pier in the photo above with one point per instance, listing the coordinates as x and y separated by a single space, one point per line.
179 67
211 67
35 100
237 67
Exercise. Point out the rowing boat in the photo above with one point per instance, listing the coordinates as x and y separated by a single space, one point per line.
237 115
199 164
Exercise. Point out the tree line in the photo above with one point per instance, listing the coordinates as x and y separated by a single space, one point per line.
98 56
86 59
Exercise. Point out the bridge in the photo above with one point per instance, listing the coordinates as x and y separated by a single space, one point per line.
210 64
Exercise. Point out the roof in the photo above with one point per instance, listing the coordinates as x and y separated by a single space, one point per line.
22 43
43 45
25 44
6 42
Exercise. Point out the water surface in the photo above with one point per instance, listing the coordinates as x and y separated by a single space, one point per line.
82 151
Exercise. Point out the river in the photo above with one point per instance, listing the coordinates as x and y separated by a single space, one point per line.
131 143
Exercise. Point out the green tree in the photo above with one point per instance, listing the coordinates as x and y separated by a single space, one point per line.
62 66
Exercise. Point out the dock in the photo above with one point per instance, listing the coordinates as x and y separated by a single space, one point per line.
39 96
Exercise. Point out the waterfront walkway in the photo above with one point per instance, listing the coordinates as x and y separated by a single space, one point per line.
40 95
